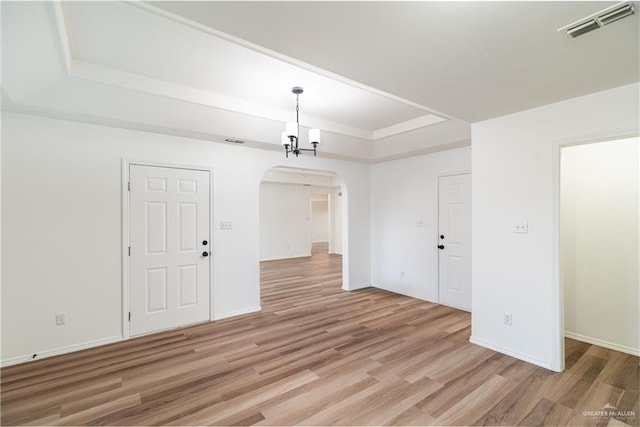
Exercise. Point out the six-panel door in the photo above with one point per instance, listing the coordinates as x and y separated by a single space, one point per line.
454 241
170 245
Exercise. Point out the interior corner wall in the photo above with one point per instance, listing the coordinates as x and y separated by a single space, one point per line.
62 226
404 221
513 180
599 243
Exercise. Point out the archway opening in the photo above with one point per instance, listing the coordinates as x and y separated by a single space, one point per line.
302 234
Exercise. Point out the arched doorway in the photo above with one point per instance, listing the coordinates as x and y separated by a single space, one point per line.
302 228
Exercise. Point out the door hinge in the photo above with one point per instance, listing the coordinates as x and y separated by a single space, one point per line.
129 316
129 186
129 250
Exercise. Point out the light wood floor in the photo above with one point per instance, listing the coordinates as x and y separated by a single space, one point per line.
317 355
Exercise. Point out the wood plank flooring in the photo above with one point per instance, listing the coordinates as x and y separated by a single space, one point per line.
317 355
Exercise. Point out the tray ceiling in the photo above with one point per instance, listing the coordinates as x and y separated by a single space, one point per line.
382 80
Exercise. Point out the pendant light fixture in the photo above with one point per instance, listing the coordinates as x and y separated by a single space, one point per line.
292 130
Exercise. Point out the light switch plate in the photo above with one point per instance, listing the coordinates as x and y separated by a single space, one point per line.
508 319
61 318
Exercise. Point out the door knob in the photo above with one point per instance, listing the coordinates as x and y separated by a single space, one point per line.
205 253
440 246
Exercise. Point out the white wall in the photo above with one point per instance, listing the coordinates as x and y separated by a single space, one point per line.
404 221
599 243
284 221
287 220
319 221
335 219
62 226
513 169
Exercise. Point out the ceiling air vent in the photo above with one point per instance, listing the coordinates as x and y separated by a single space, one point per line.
599 19
235 141
618 13
583 28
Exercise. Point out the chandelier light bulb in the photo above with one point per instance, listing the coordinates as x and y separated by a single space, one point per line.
292 130
314 136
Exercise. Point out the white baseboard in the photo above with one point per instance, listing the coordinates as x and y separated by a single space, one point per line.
237 312
601 343
500 349
89 344
405 293
58 351
356 287
279 258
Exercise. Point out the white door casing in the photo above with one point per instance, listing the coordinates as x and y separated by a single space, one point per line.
454 241
169 262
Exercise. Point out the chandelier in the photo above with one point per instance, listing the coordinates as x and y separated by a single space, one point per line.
292 130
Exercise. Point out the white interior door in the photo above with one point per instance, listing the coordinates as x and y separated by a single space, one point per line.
170 247
454 241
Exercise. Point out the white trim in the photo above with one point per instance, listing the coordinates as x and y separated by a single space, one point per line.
239 312
494 347
405 293
125 248
214 254
556 294
606 344
557 287
331 221
407 126
454 173
126 288
346 271
287 257
59 350
356 287
63 35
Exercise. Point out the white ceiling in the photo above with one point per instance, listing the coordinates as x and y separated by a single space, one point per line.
148 44
382 79
471 60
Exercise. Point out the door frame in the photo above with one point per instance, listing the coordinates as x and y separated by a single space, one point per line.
437 216
126 226
557 286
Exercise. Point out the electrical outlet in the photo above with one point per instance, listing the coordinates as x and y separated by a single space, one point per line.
521 227
226 225
61 318
507 319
